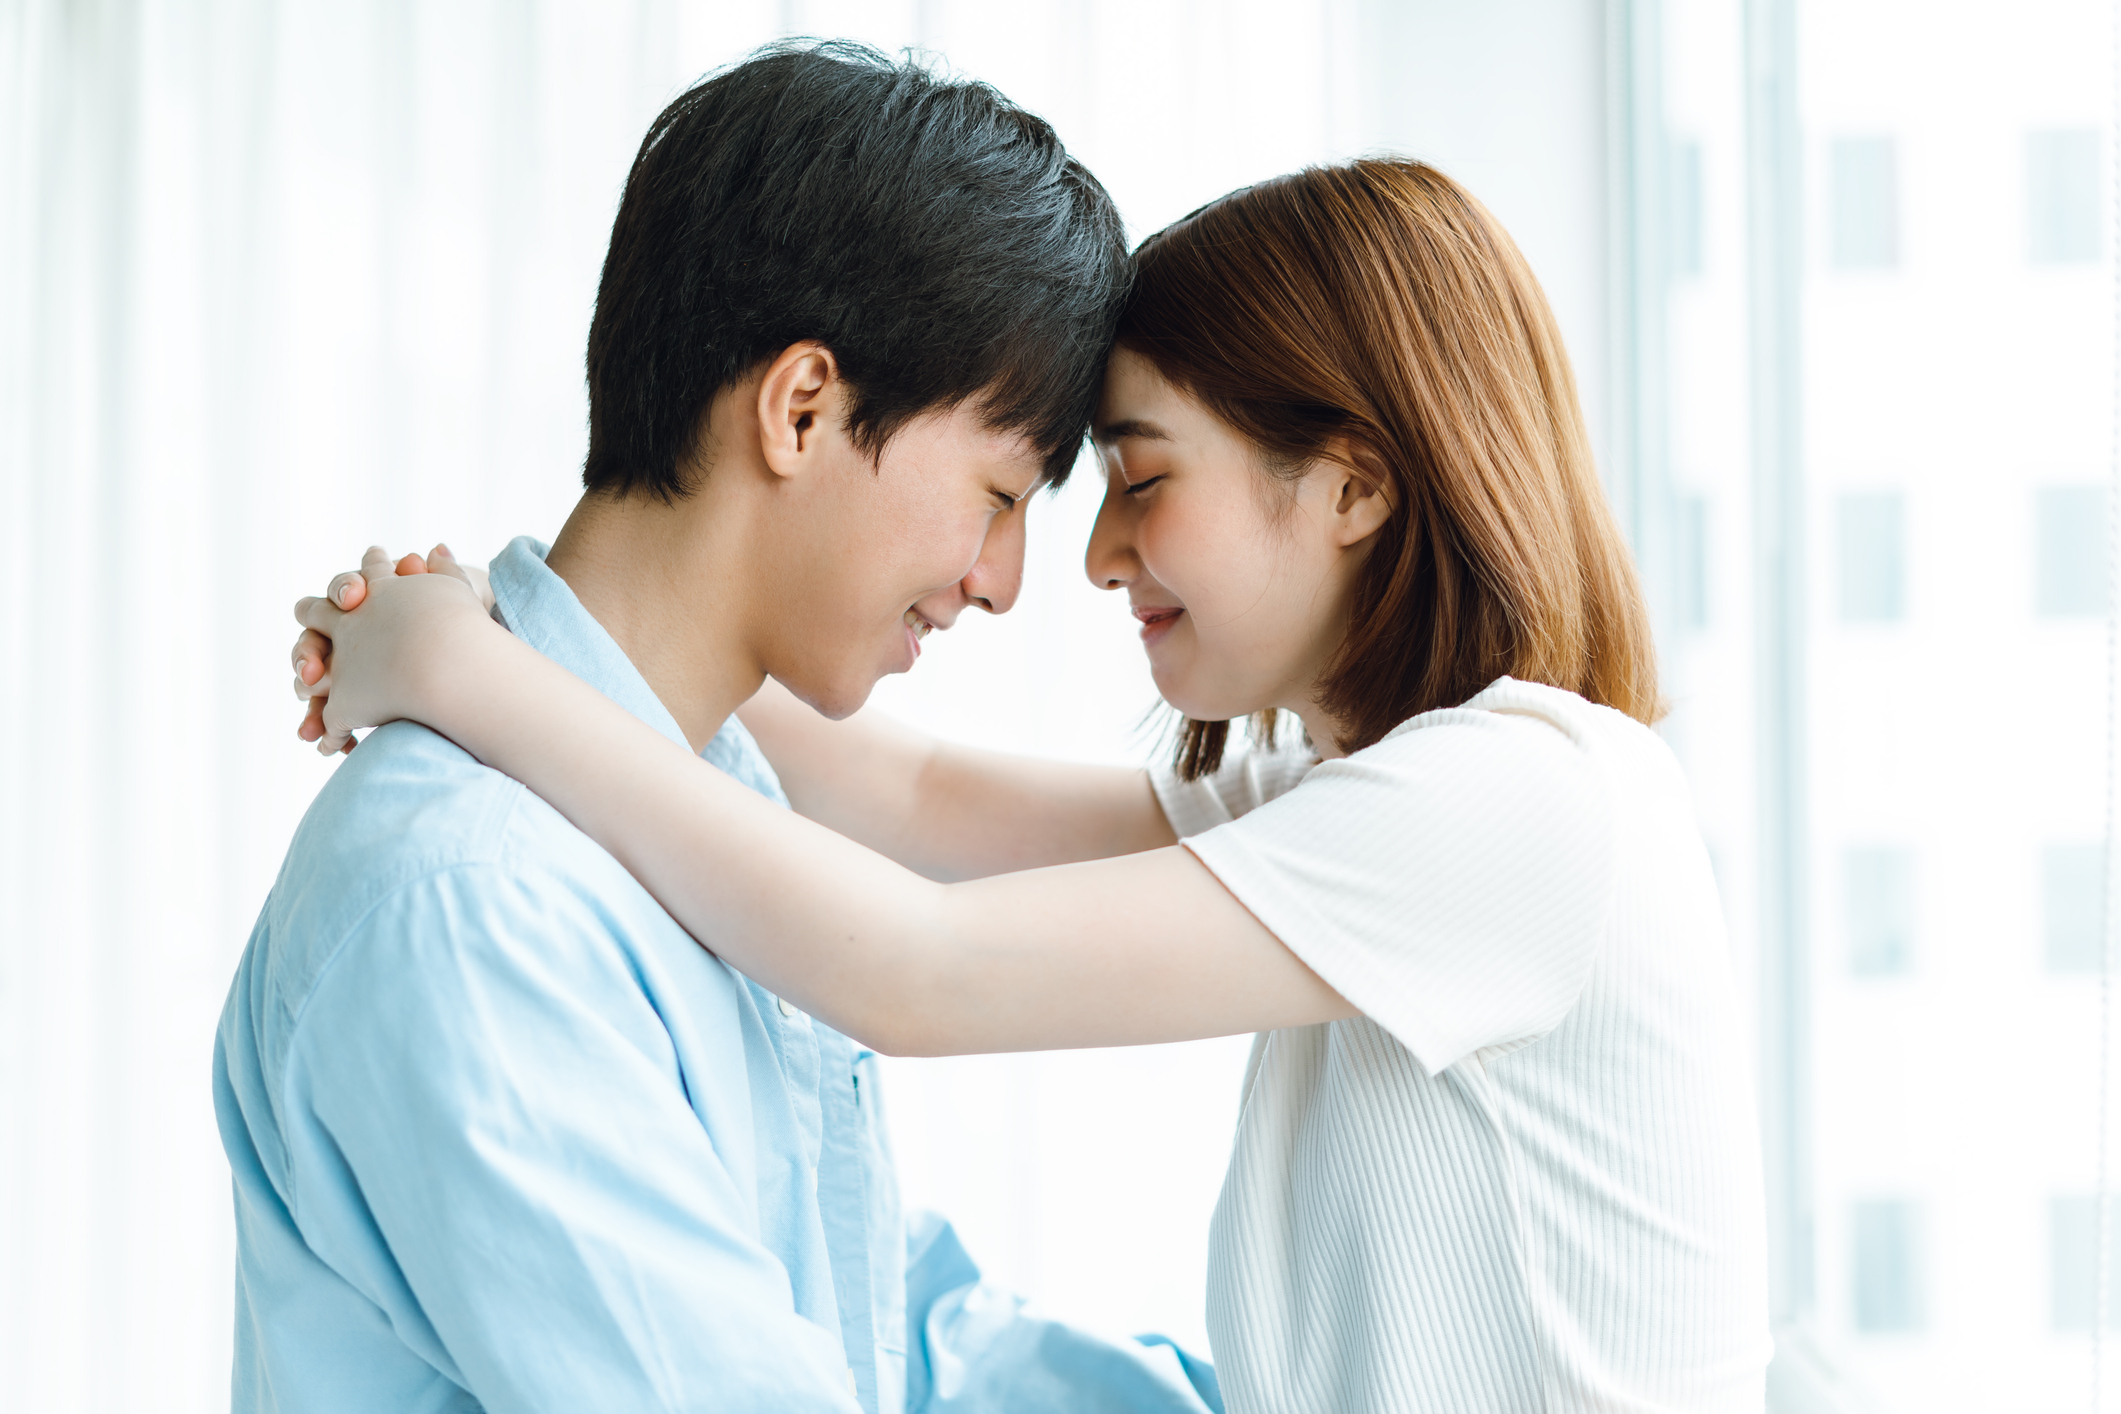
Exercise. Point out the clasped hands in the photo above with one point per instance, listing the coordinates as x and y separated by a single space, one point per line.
361 669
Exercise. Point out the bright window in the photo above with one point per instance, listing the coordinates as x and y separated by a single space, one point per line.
1891 378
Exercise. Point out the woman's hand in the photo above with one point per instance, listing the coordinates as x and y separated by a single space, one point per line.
360 669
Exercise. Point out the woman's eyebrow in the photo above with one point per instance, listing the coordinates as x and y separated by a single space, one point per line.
1131 427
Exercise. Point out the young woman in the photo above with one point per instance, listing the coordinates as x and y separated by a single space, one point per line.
1497 1146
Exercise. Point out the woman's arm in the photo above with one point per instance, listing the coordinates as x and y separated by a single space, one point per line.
942 810
949 811
1147 947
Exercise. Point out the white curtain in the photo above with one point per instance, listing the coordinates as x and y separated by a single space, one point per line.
278 280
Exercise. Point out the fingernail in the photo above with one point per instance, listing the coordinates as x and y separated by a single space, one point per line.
445 550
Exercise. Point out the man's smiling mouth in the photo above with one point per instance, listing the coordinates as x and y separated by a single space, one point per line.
920 626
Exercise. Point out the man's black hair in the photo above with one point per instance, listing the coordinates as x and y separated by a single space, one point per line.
937 238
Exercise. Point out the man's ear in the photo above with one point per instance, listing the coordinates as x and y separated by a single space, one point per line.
799 405
1361 502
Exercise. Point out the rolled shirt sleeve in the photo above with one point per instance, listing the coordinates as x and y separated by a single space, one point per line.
977 1348
1452 881
488 1135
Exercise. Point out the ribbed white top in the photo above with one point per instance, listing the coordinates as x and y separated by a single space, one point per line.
1528 1177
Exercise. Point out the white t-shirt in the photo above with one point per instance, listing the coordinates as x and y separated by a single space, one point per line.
1528 1176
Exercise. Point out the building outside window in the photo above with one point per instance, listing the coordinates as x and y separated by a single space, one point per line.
2063 190
1864 204
2072 900
1879 885
2069 551
2073 1233
1895 721
1885 1266
1873 555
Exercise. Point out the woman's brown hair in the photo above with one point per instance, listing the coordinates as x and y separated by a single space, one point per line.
1376 313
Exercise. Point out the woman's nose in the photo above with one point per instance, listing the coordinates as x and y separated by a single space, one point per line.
1110 561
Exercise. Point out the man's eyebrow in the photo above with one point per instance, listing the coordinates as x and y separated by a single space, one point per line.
1131 427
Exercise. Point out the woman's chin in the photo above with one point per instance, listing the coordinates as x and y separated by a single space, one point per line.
1190 701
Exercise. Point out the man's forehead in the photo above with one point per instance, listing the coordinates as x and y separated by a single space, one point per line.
1007 456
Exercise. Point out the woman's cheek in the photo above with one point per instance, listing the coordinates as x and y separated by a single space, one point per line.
1171 551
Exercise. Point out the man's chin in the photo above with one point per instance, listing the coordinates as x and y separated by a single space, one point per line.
833 701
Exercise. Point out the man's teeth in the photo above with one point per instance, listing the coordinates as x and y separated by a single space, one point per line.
919 625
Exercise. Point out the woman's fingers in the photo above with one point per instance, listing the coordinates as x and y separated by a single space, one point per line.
440 560
321 618
319 614
311 656
347 590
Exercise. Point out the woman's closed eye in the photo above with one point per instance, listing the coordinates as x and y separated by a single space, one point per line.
1135 487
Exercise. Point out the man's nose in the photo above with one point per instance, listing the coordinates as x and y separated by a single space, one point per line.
997 577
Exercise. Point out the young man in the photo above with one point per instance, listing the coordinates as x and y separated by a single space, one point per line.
503 1135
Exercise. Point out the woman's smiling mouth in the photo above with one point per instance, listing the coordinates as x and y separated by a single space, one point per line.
1156 621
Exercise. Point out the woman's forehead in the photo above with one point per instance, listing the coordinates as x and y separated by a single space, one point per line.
1139 402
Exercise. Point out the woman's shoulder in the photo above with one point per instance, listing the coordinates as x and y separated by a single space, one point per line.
1544 739
1580 720
1532 714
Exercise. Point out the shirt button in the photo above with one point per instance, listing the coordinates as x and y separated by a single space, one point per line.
787 1007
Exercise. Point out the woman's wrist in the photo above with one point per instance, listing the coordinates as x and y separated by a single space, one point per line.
462 677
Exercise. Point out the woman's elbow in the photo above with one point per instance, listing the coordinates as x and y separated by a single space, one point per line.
900 1033
914 1024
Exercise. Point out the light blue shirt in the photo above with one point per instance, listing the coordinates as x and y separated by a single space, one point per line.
504 1137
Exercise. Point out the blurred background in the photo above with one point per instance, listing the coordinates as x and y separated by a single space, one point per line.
281 279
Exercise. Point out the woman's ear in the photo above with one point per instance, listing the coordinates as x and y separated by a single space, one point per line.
1361 502
799 396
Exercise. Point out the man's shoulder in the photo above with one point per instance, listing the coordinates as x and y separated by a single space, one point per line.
409 803
411 815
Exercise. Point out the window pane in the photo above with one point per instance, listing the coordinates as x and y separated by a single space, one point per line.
1888 1295
2069 554
1880 886
1864 204
1872 572
2062 196
2072 902
2073 1247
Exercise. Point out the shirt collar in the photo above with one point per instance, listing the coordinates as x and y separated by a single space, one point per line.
536 605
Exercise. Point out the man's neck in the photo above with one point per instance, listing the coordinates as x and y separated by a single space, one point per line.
660 583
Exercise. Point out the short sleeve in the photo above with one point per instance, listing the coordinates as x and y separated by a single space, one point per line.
1242 785
1452 881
